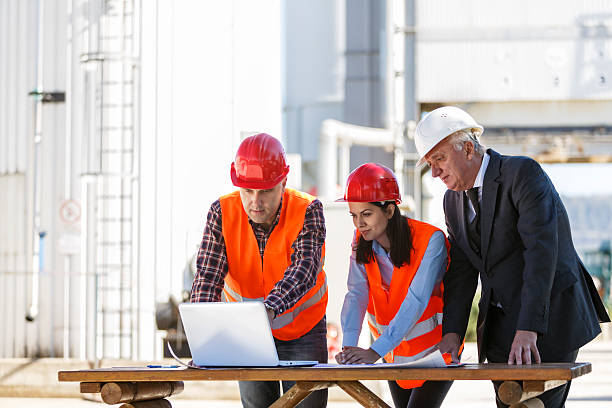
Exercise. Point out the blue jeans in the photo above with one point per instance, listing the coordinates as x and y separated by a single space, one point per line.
311 346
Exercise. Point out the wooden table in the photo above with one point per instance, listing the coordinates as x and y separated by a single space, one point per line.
148 387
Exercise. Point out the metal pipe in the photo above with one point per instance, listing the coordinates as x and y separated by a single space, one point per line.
102 341
389 68
328 166
68 168
136 167
335 133
344 161
394 68
411 106
32 311
136 120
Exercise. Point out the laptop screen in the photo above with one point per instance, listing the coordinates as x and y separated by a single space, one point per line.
229 334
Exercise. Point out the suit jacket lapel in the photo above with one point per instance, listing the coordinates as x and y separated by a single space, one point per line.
462 235
489 200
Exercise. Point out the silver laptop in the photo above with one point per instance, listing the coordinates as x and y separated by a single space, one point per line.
235 334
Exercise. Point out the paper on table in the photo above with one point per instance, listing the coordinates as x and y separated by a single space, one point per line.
432 360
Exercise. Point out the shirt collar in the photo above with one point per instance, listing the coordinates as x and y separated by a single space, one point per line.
380 250
377 248
483 169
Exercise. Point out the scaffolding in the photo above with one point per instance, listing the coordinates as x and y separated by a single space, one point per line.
111 182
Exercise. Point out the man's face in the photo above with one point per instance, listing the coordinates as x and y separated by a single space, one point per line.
261 205
456 168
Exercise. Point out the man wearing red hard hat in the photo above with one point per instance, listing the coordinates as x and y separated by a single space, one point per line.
267 242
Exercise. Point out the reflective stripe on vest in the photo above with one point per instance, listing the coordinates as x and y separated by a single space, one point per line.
289 316
233 296
410 359
285 318
385 303
417 330
251 277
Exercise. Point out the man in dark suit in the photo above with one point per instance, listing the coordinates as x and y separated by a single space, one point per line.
508 226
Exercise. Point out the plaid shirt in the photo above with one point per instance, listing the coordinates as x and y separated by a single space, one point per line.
299 277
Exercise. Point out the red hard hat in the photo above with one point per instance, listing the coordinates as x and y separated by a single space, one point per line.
371 182
260 163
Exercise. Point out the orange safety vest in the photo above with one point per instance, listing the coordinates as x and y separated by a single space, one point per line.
384 304
251 278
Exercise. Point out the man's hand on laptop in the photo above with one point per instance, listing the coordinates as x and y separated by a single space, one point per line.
356 355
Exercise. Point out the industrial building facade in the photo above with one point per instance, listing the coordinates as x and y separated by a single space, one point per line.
119 118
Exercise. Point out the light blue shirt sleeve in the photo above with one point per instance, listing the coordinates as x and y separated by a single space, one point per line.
355 303
430 272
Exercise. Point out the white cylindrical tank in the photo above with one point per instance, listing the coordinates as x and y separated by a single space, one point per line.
154 109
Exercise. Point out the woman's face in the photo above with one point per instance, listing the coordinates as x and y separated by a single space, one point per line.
371 221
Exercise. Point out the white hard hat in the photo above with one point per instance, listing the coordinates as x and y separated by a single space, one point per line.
440 123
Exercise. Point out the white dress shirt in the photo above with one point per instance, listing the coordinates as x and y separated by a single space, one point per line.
479 182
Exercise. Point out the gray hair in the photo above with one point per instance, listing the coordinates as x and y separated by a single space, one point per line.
459 138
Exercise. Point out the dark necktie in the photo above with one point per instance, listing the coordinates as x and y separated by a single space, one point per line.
474 225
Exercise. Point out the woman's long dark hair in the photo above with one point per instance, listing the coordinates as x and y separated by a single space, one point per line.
399 235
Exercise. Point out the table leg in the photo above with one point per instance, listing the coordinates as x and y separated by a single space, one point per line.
530 403
91 387
135 394
299 391
117 392
158 403
362 394
513 392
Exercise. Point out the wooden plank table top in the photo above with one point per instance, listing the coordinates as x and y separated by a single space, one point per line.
500 372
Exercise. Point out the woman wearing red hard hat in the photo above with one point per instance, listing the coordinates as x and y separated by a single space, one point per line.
395 279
